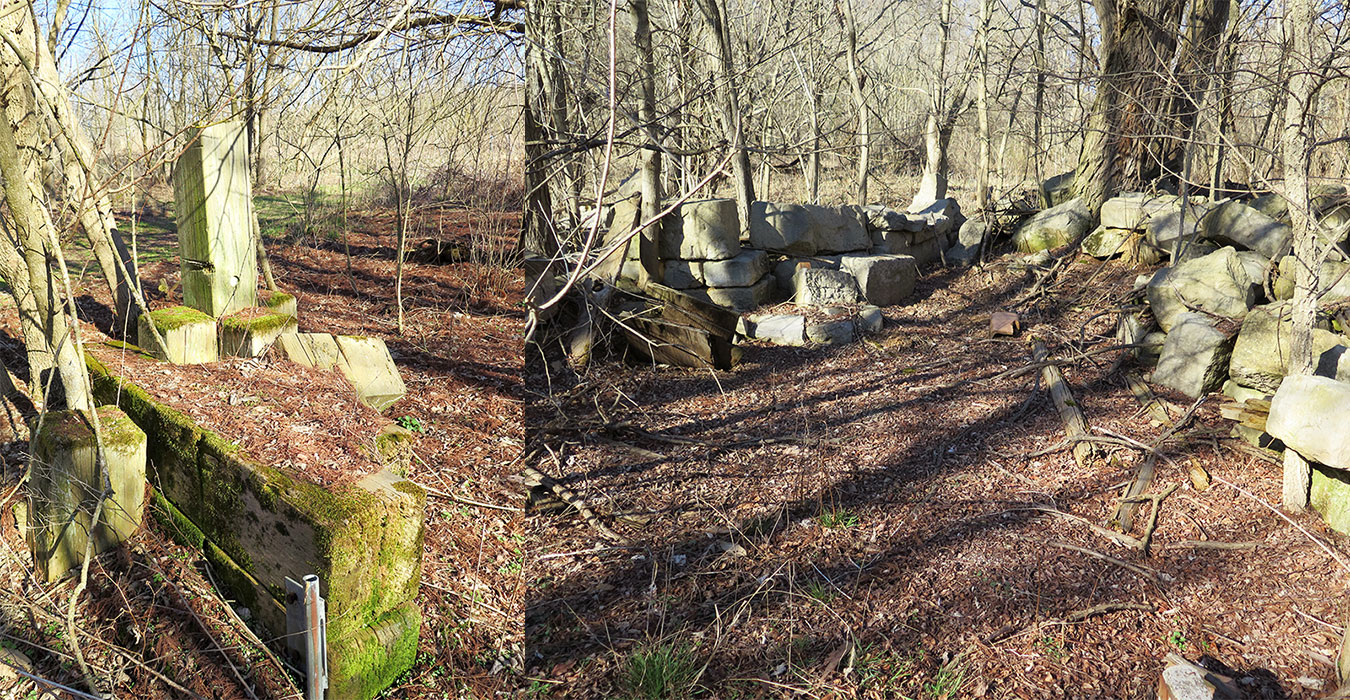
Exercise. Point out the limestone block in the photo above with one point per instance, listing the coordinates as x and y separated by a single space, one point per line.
1195 356
1262 353
1175 223
819 287
744 270
783 228
1309 414
779 329
682 274
785 271
1239 225
213 205
190 335
836 332
317 350
66 483
279 301
884 280
367 364
1218 283
1055 191
1133 210
838 230
968 241
1054 227
738 298
706 229
1333 280
870 320
249 333
1330 496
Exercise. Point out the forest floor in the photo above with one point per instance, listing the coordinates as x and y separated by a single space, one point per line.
902 518
153 624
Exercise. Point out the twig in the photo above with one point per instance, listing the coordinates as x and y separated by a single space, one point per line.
1104 608
1300 528
1205 544
1142 571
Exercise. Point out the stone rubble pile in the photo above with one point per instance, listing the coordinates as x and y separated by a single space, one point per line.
820 258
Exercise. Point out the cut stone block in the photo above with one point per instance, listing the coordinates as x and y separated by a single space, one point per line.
1262 354
1218 283
1239 225
779 329
1133 210
1309 414
737 298
783 228
839 230
370 368
706 229
258 525
1054 227
279 301
819 287
1195 356
1055 191
838 332
249 333
884 280
1330 496
213 205
681 274
785 271
870 319
744 270
317 350
189 334
66 483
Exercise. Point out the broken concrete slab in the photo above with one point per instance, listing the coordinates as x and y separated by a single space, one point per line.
1053 227
317 350
66 482
213 205
884 280
250 332
1308 414
1195 356
189 335
835 332
1218 283
367 364
819 287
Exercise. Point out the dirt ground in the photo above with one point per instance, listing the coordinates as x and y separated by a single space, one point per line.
154 625
902 518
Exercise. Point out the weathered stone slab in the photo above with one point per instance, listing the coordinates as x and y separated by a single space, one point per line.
250 332
1218 283
706 229
1333 280
213 205
1133 210
738 298
317 350
838 230
835 332
785 271
783 228
968 241
1054 227
1239 225
258 526
66 482
370 368
1055 191
884 280
779 329
1195 356
744 270
1175 223
1309 414
189 335
818 287
1261 355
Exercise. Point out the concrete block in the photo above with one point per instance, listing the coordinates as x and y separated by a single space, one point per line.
189 334
819 287
66 483
884 280
279 301
213 206
367 364
249 333
318 350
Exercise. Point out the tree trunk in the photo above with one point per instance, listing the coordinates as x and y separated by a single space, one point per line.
982 110
649 245
857 82
938 125
730 111
536 236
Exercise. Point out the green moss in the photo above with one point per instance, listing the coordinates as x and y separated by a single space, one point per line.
360 665
179 526
276 299
176 317
257 325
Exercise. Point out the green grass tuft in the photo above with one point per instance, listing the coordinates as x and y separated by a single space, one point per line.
664 671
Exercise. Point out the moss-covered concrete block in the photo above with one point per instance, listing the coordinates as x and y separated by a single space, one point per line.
251 332
279 301
1330 496
66 483
189 335
370 368
317 350
259 526
213 205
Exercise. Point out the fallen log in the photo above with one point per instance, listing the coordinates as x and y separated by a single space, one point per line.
1075 423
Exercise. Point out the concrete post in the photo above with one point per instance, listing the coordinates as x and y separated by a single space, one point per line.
213 205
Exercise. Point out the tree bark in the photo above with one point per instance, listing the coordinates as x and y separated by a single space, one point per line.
649 244
730 111
857 81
